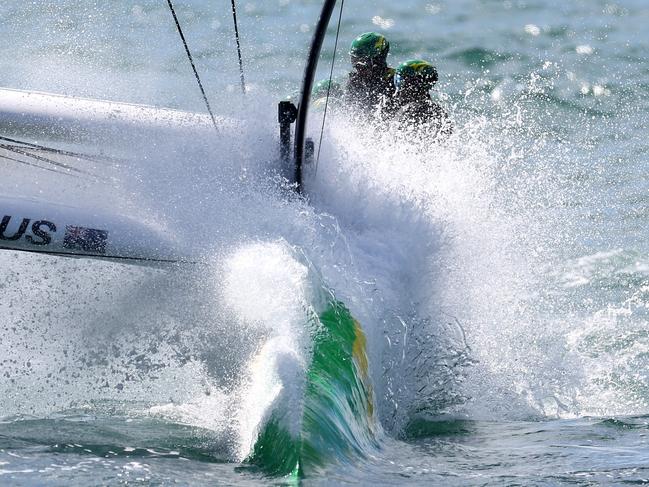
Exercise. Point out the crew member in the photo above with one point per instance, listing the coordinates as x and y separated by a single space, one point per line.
324 88
371 82
411 105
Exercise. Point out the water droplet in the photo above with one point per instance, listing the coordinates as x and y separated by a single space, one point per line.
532 29
382 23
584 49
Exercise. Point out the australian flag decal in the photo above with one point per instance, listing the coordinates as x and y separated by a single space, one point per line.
85 239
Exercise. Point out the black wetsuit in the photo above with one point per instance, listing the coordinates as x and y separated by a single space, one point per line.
420 112
367 90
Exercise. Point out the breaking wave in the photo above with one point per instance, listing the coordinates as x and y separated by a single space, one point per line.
436 268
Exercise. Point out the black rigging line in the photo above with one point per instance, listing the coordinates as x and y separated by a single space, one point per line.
331 73
45 159
78 155
191 61
26 163
236 34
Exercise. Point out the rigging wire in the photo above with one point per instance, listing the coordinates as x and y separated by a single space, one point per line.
78 155
236 35
191 61
47 160
331 73
26 163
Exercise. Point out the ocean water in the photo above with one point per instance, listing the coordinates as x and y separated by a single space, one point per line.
501 278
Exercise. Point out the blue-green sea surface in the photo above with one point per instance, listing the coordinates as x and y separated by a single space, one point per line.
501 278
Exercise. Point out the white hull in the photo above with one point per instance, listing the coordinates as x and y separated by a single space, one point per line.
43 226
30 113
35 226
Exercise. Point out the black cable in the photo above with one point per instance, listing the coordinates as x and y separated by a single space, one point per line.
236 34
31 164
191 61
331 73
57 151
45 159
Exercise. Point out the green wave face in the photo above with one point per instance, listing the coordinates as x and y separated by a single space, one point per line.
338 422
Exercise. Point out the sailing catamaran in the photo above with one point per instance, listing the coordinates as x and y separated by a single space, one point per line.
338 388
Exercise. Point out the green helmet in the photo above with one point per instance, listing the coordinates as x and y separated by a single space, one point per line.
323 86
369 46
415 72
